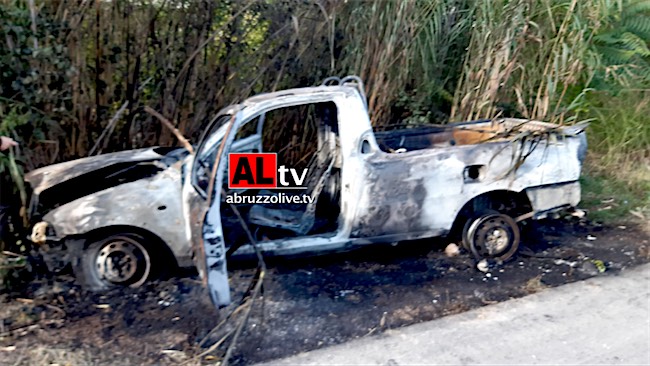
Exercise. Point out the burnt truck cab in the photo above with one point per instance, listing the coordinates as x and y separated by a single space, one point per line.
477 180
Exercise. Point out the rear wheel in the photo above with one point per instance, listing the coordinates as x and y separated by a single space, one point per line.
117 260
491 235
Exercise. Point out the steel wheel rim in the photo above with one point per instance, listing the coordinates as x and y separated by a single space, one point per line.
492 236
122 261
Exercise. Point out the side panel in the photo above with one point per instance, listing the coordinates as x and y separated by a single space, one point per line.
407 194
546 198
153 204
424 190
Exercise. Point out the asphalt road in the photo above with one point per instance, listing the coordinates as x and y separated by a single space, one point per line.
603 320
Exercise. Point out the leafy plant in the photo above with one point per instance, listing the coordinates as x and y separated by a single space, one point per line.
8 125
623 43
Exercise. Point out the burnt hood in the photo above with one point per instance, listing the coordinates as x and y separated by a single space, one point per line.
51 175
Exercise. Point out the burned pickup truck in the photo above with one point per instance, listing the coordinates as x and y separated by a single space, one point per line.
475 179
302 170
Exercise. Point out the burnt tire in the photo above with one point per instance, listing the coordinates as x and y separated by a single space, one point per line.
118 260
491 235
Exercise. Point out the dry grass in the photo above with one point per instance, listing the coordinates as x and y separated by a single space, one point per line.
379 48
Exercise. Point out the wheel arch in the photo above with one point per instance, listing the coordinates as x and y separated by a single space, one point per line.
152 241
512 203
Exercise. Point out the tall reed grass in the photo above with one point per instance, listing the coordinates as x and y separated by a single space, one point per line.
526 58
80 72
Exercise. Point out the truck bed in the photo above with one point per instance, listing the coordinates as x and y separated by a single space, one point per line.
463 133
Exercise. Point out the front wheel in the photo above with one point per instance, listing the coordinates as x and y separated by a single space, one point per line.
117 260
491 235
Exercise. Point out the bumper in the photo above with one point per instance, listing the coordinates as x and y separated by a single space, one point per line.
54 251
547 199
56 255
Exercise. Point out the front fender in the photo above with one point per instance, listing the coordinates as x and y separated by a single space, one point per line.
153 204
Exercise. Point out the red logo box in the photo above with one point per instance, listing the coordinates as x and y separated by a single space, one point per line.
252 171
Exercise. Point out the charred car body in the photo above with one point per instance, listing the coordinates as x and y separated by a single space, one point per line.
474 179
117 218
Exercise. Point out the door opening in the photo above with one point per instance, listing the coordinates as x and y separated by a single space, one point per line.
305 139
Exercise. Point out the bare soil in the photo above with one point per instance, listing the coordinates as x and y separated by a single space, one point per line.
308 303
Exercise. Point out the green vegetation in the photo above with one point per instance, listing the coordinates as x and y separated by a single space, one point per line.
609 199
617 175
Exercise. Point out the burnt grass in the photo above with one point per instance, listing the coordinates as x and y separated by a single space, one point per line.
307 302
